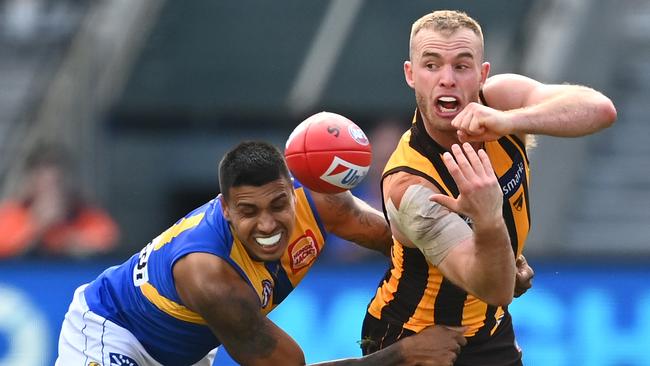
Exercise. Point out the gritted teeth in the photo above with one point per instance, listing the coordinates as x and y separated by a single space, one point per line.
268 241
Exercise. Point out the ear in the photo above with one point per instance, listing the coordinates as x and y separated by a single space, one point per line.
408 73
485 72
224 207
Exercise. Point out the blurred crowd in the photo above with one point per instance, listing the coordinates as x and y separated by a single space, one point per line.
49 214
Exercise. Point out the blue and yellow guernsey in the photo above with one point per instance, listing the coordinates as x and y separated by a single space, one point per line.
140 295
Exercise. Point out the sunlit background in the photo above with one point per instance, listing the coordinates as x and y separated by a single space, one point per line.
148 94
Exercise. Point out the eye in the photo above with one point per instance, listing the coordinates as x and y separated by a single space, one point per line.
248 212
280 206
431 66
462 67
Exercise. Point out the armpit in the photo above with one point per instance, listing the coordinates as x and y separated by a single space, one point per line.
428 225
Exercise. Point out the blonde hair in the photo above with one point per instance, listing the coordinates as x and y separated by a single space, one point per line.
447 21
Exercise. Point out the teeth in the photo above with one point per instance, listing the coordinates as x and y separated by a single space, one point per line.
447 99
448 110
268 241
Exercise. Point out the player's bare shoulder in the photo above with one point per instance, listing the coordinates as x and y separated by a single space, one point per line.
395 185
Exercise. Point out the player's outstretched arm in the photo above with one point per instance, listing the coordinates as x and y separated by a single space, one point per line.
519 105
434 346
352 219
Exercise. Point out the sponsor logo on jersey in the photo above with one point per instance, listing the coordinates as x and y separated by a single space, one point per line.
519 202
358 135
121 360
267 292
511 180
303 251
342 173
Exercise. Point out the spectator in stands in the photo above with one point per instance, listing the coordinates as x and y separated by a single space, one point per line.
50 216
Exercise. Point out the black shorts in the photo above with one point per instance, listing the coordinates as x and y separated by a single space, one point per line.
500 349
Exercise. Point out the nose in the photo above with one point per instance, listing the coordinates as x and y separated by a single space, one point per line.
266 223
447 77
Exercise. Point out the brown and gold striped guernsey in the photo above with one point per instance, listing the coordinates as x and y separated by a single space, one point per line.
414 294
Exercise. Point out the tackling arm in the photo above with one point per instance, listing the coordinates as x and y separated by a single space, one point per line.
353 219
209 286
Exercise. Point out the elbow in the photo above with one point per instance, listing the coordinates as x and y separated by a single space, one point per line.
500 298
608 112
496 295
503 294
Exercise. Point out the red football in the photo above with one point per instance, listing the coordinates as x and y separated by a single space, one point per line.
328 153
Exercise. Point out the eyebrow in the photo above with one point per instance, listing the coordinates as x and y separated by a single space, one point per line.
437 55
247 205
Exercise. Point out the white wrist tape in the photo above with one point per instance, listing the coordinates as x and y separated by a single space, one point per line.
428 225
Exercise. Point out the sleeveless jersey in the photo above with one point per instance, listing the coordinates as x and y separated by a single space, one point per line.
414 294
140 295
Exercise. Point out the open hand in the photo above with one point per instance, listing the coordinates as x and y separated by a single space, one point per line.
437 345
480 195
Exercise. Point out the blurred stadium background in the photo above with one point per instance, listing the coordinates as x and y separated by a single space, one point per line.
149 94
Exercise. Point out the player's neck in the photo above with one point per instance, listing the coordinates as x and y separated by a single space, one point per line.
444 138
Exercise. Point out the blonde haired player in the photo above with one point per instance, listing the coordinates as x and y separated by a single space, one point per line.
456 189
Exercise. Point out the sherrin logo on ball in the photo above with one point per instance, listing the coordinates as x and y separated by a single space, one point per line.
358 135
328 153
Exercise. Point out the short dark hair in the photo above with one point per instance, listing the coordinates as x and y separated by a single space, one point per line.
253 163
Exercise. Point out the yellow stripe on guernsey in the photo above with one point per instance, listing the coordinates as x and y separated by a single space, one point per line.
174 231
170 307
166 305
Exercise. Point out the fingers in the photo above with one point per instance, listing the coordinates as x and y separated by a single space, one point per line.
454 165
446 201
474 159
524 276
467 163
459 334
485 161
460 338
461 119
524 269
469 121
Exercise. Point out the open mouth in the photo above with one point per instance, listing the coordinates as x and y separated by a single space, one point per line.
269 240
446 105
